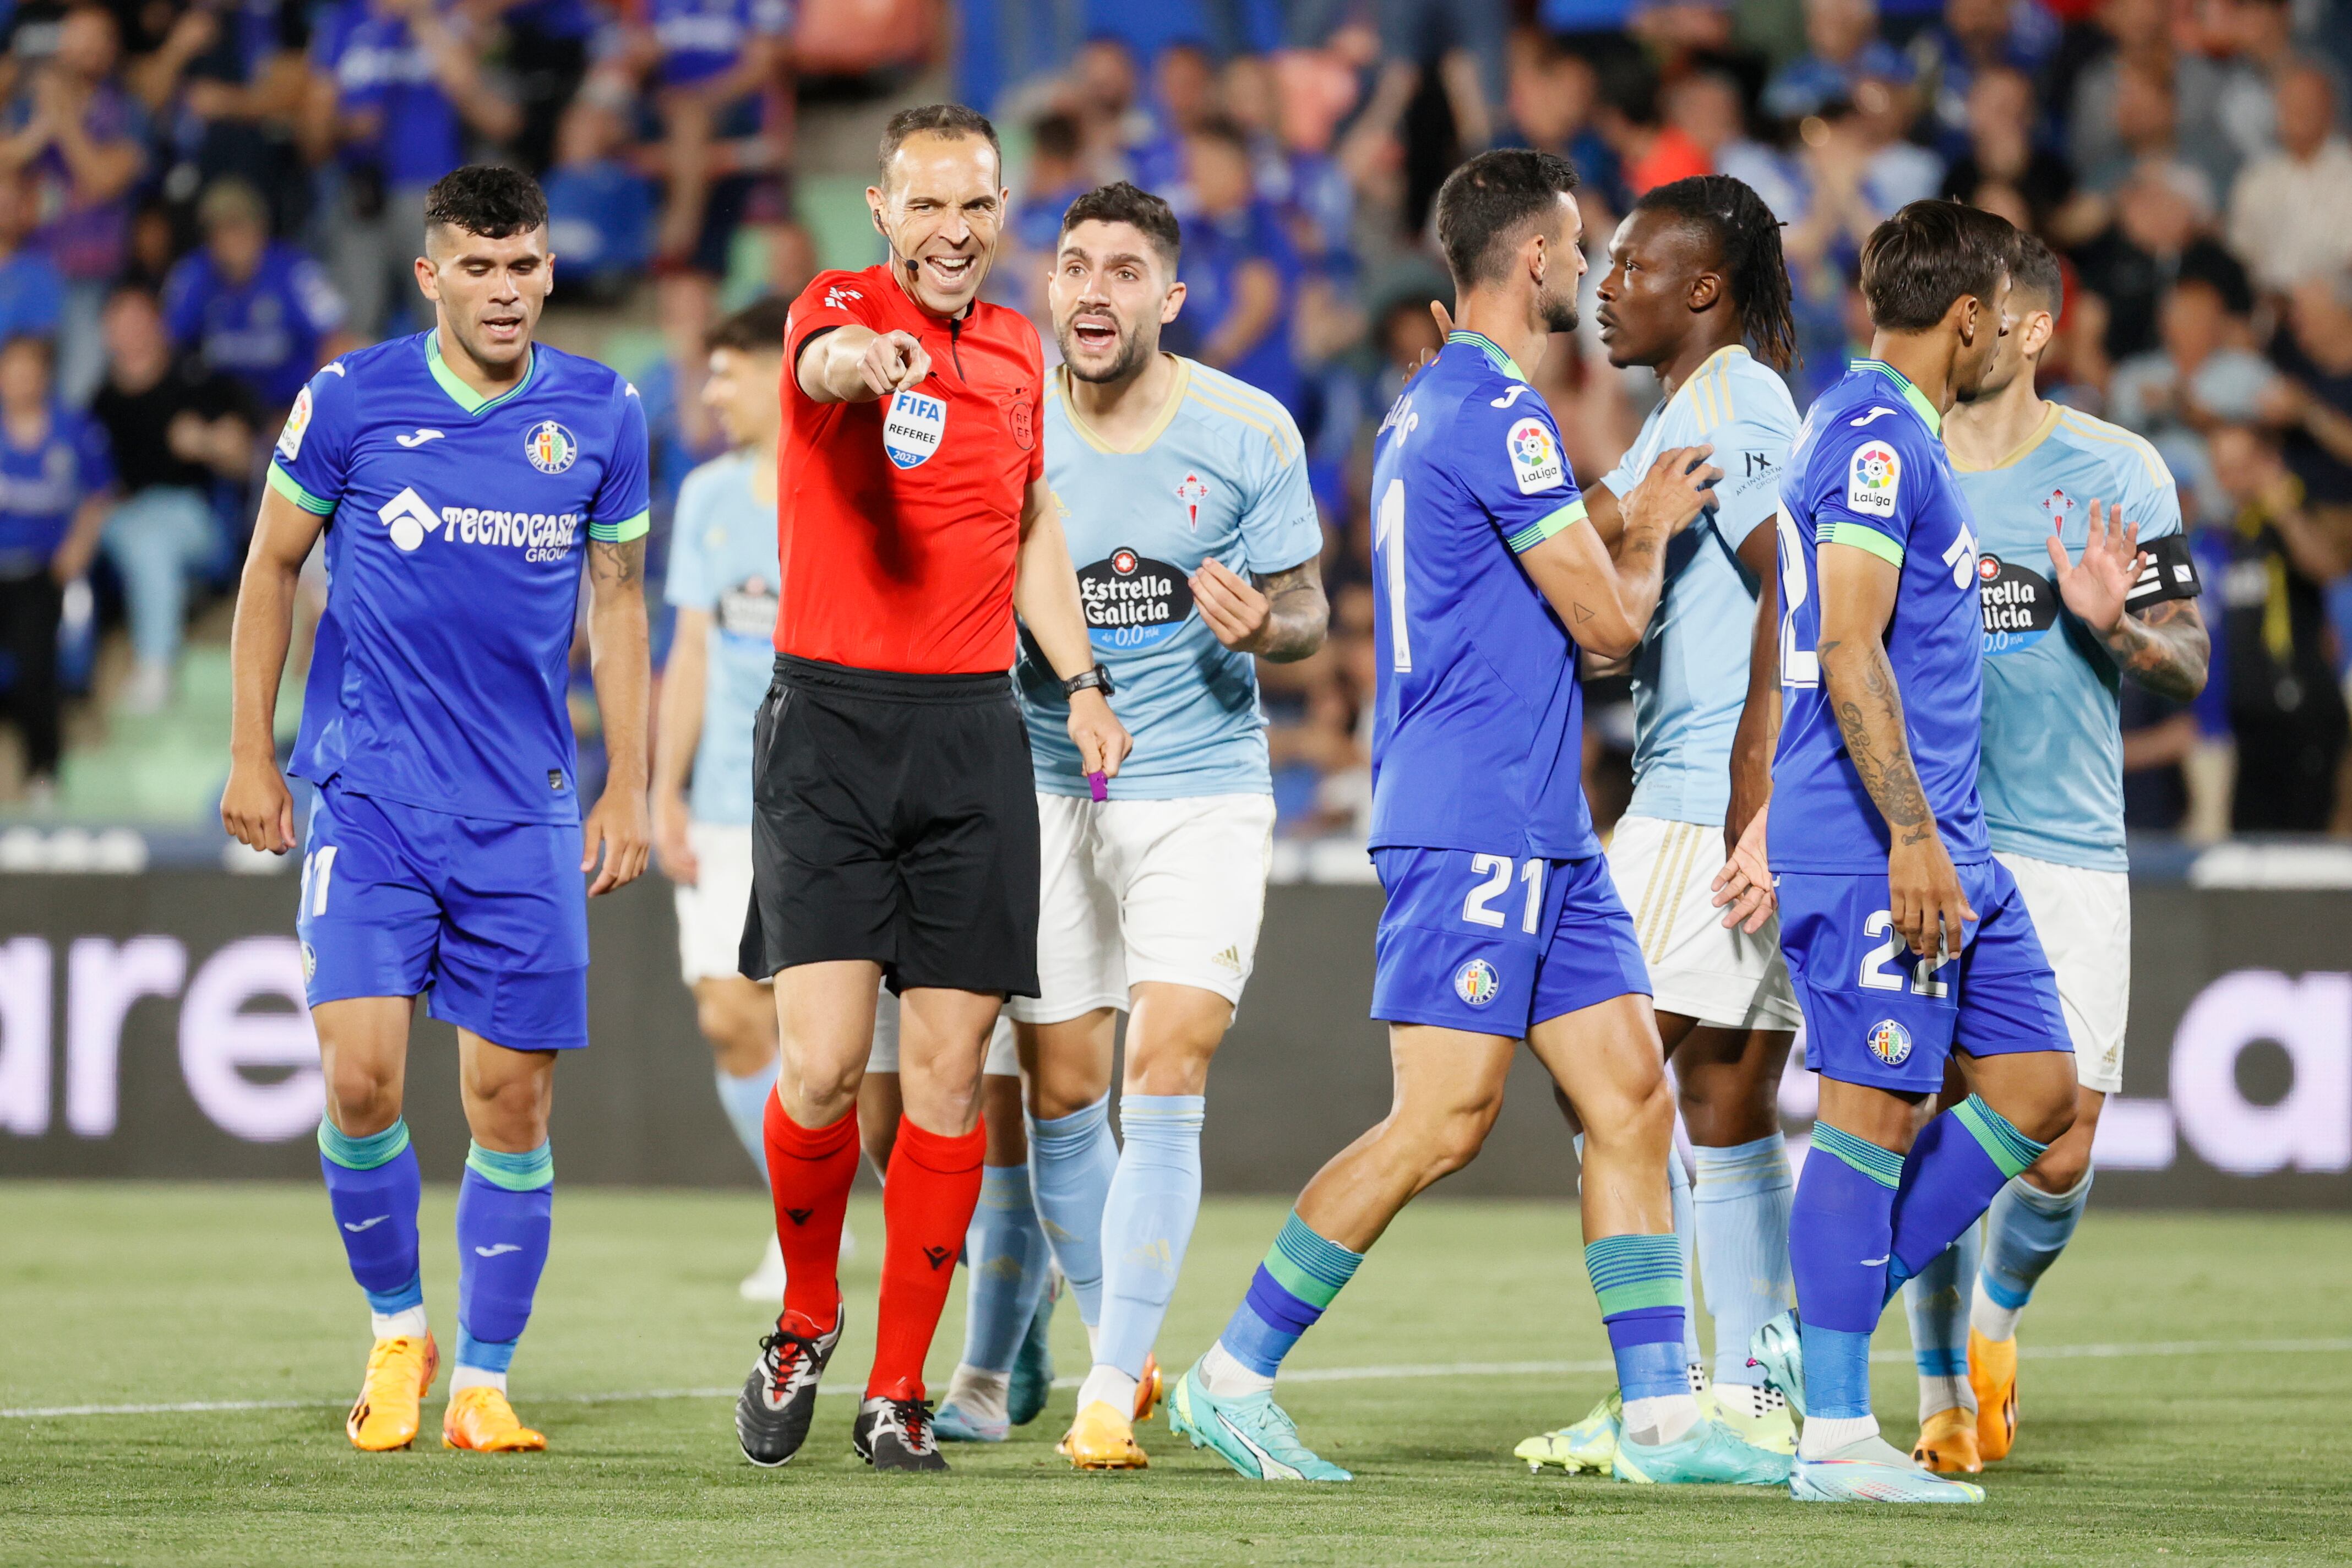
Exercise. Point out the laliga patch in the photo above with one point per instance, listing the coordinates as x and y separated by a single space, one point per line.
1873 480
298 422
1889 1041
550 447
1133 601
2020 605
1535 458
1477 982
912 429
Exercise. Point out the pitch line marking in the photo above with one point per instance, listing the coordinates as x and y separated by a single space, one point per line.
1447 1370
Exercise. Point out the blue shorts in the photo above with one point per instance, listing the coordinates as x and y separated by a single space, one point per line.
1874 1016
491 917
1491 945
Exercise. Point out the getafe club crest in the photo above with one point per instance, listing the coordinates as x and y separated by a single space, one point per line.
1191 491
1889 1041
550 447
1477 982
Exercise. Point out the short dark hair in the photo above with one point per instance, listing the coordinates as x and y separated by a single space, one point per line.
1748 244
488 200
1486 204
1225 128
44 346
757 327
1122 202
2034 270
1932 253
936 120
1056 135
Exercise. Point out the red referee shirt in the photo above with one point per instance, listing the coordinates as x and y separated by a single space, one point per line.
898 520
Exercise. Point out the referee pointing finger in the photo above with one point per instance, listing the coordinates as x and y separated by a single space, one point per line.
894 831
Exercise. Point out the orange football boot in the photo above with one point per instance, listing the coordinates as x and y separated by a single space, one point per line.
1148 1388
399 1372
1992 1372
1948 1444
480 1418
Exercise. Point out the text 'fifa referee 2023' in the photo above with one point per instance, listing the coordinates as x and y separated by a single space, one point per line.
895 831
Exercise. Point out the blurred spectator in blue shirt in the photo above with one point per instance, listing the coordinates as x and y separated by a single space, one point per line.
32 289
1842 48
249 306
1976 36
1240 273
1055 178
1184 96
408 87
228 86
717 64
53 480
600 211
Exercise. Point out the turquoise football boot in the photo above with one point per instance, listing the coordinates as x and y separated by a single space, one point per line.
1254 1435
1589 1444
1709 1454
1779 1348
1033 1364
1874 1471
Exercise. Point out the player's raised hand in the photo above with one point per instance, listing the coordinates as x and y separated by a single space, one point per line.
2095 588
1745 883
1674 491
619 827
1931 913
1231 605
1445 320
893 361
257 808
1102 741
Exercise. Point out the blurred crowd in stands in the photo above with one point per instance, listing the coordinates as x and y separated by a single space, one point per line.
201 202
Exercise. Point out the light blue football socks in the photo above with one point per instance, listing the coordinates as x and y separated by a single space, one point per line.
1072 1160
1146 1221
745 1101
1741 1199
1005 1250
1936 1302
2025 1230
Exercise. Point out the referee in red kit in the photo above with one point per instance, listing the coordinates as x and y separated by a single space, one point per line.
895 819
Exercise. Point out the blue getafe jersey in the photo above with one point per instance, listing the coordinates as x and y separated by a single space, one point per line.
1220 475
2053 777
722 561
455 534
1869 470
1690 674
266 331
1477 721
42 487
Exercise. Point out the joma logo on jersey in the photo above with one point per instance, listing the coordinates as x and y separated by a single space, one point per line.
541 535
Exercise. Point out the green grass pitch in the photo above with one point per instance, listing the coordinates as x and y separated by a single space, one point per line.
2205 1416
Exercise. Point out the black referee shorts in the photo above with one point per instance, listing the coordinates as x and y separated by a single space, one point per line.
894 818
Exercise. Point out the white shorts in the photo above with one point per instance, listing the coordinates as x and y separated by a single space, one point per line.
1133 891
2084 919
1664 873
710 913
1001 1060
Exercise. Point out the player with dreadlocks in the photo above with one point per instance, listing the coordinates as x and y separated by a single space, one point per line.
1697 291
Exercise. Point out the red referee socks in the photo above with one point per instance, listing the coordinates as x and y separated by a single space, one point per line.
927 1202
809 1173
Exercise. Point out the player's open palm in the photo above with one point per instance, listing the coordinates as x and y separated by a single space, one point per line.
893 361
621 829
1743 888
2095 587
1672 492
257 808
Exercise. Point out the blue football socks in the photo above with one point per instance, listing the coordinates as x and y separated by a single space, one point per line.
1146 1221
1302 1275
1958 1165
505 1210
1741 1199
1640 1286
2025 1230
745 1101
1841 1226
1685 1221
1935 1301
1071 1161
373 1188
1006 1249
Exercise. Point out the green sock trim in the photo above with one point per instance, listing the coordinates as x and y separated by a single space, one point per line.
1633 1272
363 1153
525 1172
1883 1166
2007 1147
1309 1266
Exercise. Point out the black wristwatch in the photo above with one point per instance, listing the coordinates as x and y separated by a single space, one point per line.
1095 679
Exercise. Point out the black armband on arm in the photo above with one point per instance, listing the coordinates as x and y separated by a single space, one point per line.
2171 573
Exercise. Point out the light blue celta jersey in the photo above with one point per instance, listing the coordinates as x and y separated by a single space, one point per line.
1221 473
722 561
1870 470
2052 774
1477 717
456 527
1690 674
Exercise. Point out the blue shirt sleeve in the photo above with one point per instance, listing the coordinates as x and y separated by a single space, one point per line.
1865 488
93 457
2155 502
313 455
1280 527
688 584
321 306
623 507
1510 460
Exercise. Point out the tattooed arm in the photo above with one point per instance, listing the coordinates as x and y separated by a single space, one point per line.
2166 649
1857 602
1606 605
1281 615
619 664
